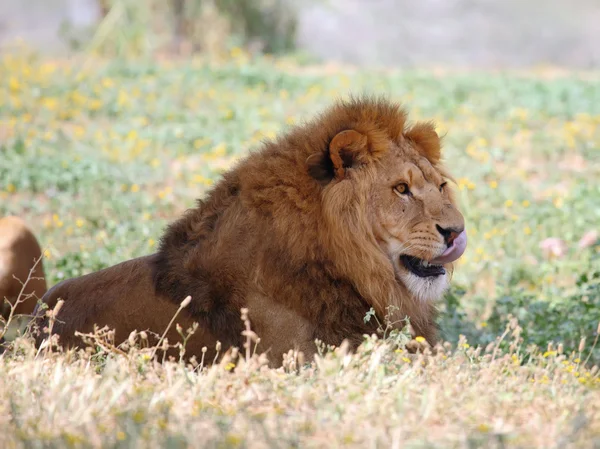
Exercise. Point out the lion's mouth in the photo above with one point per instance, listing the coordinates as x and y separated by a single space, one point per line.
422 268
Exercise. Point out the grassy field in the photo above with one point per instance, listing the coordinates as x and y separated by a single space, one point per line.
98 156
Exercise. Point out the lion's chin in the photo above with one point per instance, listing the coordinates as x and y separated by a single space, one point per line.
425 289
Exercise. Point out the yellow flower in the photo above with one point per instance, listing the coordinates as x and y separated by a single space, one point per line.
57 221
138 416
163 193
236 52
50 103
527 230
199 179
95 104
79 222
526 203
135 188
79 131
508 203
199 143
11 188
13 84
462 183
420 339
520 113
545 379
151 242
232 440
406 359
219 150
493 184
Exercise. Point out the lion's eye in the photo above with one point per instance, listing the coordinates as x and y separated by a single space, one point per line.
402 189
442 186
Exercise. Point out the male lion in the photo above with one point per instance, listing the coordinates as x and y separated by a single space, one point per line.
346 213
20 253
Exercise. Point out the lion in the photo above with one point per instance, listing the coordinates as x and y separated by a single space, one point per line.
349 213
22 280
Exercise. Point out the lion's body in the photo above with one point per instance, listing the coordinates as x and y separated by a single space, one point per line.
99 298
297 233
19 251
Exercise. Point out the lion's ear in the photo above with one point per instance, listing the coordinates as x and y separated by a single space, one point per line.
427 141
345 151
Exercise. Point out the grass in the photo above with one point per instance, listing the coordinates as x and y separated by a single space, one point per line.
98 156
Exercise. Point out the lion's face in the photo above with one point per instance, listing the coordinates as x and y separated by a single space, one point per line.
409 206
415 220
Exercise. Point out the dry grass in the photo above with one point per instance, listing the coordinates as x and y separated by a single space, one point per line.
380 396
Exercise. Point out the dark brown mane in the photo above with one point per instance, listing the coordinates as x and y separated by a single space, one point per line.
175 279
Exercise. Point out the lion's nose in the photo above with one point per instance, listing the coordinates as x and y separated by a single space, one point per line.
449 234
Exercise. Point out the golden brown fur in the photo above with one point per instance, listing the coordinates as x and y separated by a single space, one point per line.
306 233
123 298
19 251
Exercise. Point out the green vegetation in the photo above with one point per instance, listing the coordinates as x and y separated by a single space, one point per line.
99 156
142 28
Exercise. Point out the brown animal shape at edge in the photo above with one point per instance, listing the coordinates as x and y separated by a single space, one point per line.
19 251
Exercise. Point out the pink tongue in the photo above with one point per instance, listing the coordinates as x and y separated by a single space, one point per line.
453 252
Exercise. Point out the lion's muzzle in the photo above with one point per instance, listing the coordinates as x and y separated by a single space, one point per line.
455 249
